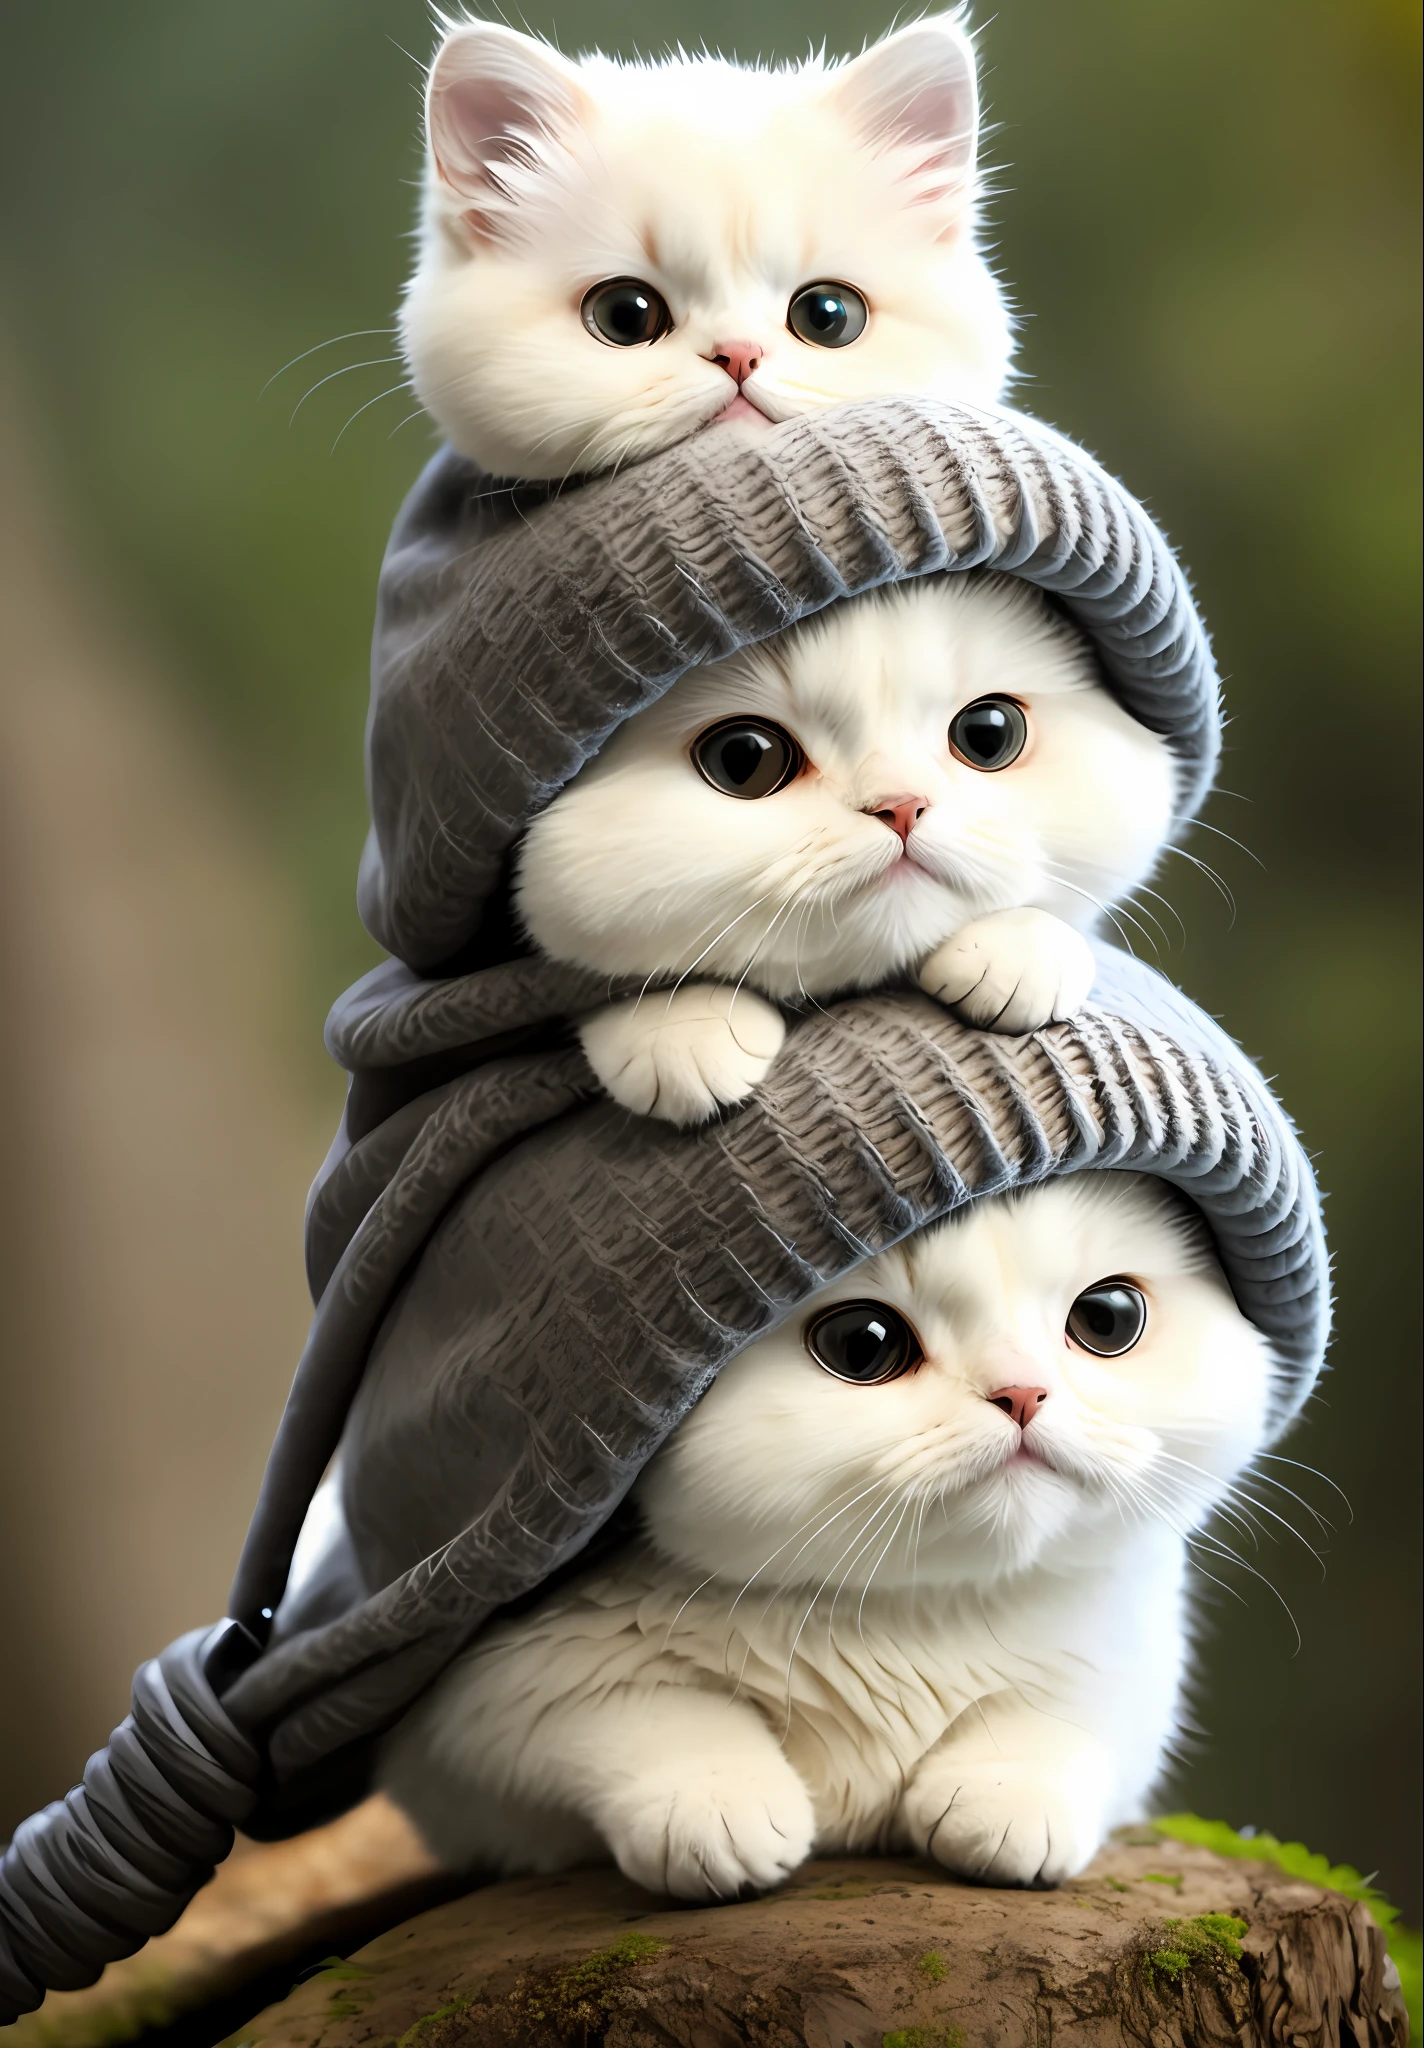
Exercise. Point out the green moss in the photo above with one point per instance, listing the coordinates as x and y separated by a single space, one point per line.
932 1967
1162 1877
1166 1962
1212 1938
924 2037
574 2005
1406 1946
595 1971
411 2037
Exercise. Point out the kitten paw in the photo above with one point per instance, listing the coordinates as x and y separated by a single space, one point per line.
686 1055
700 1833
1014 970
1005 1822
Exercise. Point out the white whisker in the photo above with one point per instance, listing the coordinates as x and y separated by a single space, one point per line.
374 363
356 334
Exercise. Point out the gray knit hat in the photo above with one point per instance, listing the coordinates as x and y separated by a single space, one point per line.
517 627
520 1290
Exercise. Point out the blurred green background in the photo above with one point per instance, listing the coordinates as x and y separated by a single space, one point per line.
1208 215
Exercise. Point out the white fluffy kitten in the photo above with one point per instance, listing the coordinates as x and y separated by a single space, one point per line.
616 255
914 1576
932 780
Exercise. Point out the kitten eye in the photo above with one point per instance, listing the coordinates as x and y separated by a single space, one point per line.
747 757
626 313
863 1342
828 315
1108 1319
989 734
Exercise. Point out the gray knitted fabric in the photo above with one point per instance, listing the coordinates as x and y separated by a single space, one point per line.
519 1328
520 1288
516 628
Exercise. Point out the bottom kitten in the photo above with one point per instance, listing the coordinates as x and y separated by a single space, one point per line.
912 1576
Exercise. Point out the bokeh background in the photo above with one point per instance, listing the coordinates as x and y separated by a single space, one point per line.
1208 215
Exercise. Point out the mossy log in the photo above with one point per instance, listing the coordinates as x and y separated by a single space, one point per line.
1158 1945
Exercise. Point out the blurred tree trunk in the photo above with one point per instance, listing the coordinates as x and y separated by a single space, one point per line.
157 1146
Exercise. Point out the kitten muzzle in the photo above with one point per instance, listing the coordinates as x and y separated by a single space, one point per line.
741 412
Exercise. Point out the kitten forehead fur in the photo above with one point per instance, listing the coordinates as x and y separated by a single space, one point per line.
639 867
726 189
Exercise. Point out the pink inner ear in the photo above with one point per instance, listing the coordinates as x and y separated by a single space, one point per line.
474 125
918 91
487 108
941 176
941 114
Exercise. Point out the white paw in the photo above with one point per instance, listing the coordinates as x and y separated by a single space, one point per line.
1014 970
683 1056
1004 1821
701 1833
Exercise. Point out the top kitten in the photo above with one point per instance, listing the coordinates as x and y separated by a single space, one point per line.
615 255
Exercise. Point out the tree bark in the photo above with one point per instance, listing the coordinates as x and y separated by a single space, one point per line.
872 1954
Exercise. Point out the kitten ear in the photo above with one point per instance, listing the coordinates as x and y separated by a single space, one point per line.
492 97
917 91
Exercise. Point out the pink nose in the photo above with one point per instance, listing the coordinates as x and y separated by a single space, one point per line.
1020 1404
738 358
900 813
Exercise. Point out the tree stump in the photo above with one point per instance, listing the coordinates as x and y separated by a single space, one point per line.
1157 1944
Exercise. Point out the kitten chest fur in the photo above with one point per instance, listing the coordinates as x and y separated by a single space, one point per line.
856 1691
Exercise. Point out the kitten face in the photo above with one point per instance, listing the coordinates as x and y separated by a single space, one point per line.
645 866
724 193
790 1473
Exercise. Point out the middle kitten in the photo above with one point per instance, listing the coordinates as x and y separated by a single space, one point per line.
930 781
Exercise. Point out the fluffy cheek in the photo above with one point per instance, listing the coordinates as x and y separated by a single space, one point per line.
890 358
1102 791
1198 1391
638 869
902 352
502 361
784 1473
984 841
778 1471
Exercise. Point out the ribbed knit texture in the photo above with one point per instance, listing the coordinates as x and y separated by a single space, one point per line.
516 629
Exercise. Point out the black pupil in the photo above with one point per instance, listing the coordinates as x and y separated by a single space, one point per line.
827 315
990 733
742 756
824 314
627 313
746 760
864 1342
1108 1319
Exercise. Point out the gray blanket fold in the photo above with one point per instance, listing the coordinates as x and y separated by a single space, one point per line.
520 1288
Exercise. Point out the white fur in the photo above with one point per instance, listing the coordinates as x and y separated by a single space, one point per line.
640 867
858 1618
673 1055
1012 971
727 189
